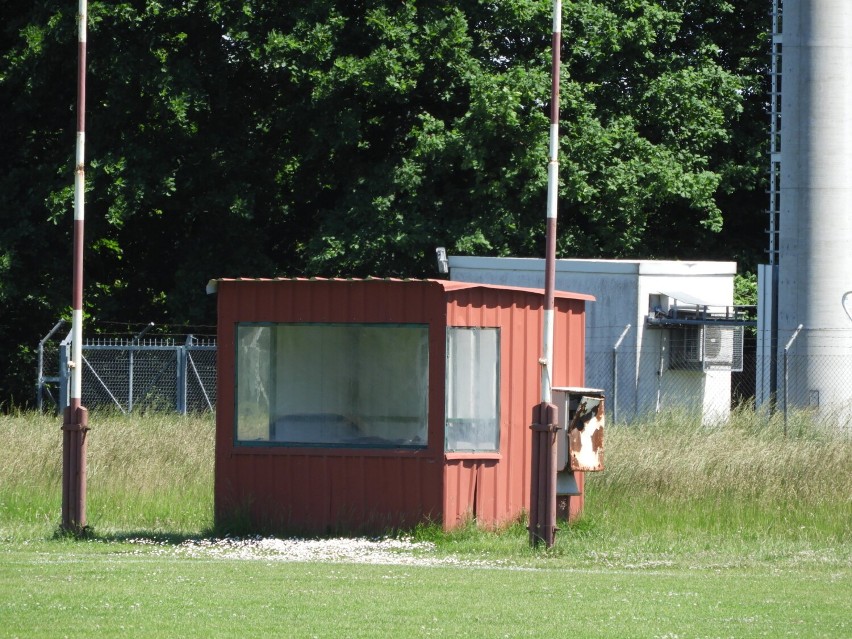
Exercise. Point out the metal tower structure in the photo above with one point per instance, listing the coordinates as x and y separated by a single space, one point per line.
767 336
775 131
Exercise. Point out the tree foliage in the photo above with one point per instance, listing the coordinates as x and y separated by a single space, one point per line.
260 138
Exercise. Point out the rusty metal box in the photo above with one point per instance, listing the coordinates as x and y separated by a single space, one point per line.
580 440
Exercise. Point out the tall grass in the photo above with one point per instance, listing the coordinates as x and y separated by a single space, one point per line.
667 478
656 554
148 473
741 477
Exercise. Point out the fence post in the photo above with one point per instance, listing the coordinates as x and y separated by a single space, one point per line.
182 374
786 374
615 374
64 377
41 378
664 340
131 352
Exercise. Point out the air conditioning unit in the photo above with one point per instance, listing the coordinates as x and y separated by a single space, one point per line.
706 348
723 348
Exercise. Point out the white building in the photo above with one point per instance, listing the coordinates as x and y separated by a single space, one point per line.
666 327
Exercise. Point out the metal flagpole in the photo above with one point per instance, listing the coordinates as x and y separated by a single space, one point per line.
552 194
545 418
75 422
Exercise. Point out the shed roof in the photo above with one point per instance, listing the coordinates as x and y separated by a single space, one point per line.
446 285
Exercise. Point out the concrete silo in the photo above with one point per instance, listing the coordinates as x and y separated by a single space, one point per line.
815 222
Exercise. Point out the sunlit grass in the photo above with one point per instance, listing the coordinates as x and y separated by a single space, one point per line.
740 477
677 491
151 472
732 530
669 481
100 590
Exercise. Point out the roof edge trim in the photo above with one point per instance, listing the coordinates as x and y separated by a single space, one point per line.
445 285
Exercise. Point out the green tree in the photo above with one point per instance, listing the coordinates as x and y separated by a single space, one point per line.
260 138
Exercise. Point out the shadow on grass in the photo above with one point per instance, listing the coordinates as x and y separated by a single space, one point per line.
124 536
469 534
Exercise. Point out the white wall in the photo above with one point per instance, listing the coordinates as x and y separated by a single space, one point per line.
815 229
621 289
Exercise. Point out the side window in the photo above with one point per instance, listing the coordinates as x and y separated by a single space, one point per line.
341 385
473 390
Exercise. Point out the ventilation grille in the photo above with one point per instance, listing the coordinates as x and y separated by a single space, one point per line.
707 348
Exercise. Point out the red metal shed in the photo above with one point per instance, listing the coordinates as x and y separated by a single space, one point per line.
374 403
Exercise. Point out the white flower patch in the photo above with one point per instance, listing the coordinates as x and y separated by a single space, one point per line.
381 551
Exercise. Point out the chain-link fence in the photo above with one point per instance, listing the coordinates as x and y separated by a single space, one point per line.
808 369
48 378
812 371
132 373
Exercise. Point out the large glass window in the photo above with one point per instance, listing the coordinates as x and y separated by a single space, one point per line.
473 389
360 385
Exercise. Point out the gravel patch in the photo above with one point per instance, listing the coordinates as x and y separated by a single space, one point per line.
381 551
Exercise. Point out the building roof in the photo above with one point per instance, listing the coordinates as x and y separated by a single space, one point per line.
446 285
585 266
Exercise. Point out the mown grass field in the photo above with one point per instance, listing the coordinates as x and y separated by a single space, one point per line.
731 531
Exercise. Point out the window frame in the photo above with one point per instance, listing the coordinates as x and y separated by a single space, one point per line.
273 373
478 452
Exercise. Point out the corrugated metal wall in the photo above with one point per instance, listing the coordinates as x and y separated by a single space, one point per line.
321 489
497 490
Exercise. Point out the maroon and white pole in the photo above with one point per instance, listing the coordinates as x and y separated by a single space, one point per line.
75 422
552 196
545 418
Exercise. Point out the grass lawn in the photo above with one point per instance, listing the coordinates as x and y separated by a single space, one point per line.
62 588
682 538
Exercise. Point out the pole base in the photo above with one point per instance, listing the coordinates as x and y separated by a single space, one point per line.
75 427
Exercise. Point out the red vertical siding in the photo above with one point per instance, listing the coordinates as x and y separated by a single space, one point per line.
324 489
318 489
496 491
